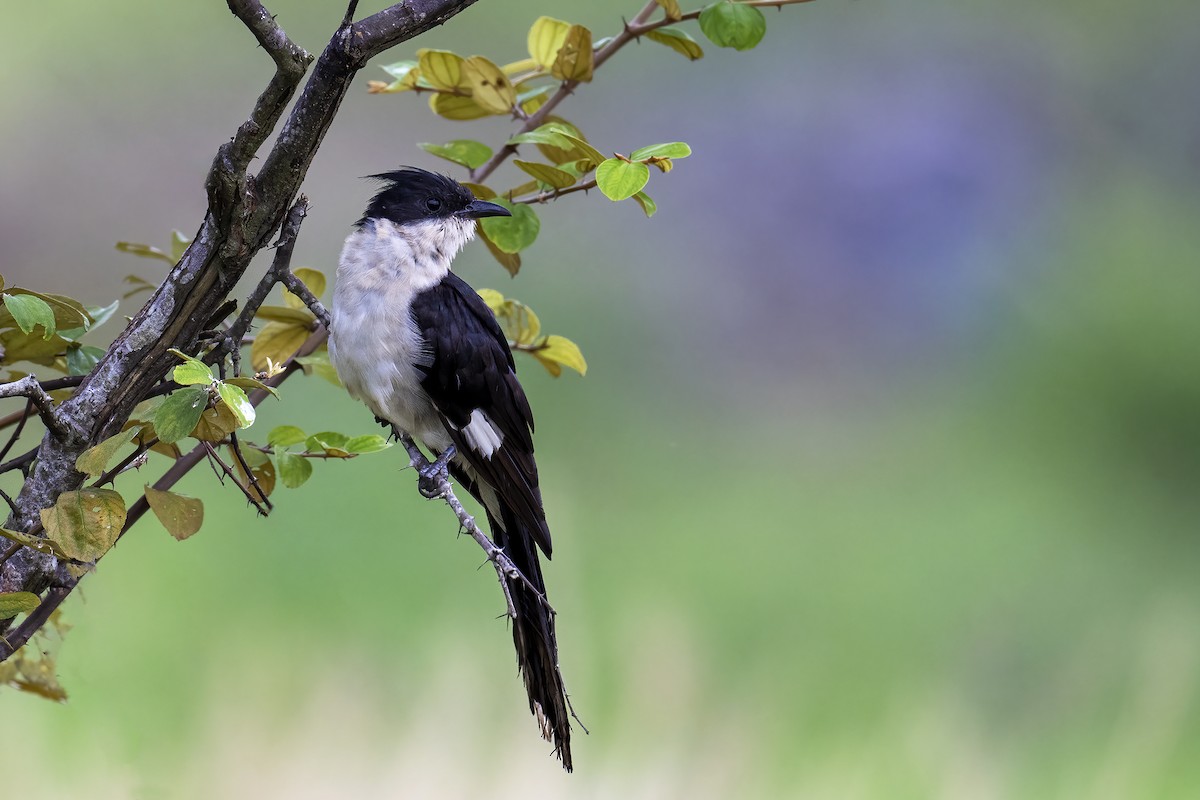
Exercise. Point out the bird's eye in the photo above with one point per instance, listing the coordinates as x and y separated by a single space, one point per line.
433 204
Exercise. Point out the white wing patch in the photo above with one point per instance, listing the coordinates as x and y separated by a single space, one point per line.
482 434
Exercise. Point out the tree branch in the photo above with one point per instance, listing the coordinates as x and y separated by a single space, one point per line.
243 214
30 388
435 483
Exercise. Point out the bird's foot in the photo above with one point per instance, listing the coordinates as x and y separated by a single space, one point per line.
434 473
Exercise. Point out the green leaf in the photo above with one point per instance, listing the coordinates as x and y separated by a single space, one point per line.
665 150
533 99
180 515
293 470
400 69
583 146
318 364
13 603
192 372
510 261
238 403
648 205
94 460
678 41
620 180
490 87
30 311
561 350
368 443
178 414
101 314
546 174
329 442
82 358
85 523
283 435
735 25
550 134
248 383
466 152
546 37
313 280
512 234
443 69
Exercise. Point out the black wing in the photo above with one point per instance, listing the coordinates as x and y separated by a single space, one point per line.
471 369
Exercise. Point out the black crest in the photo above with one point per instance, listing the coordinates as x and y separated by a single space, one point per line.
412 194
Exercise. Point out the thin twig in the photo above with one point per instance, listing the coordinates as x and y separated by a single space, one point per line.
228 470
545 197
10 502
280 265
435 476
639 26
21 462
138 452
241 459
26 414
297 287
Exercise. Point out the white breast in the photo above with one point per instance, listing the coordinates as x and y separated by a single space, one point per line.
374 344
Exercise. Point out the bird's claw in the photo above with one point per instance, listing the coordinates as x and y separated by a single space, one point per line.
432 474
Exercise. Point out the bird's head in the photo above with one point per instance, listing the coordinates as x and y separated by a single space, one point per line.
412 195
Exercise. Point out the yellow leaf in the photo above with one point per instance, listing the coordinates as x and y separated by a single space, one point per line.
494 300
490 87
545 38
314 279
85 523
480 191
547 174
216 423
452 106
561 350
515 68
671 7
277 341
288 313
180 515
574 59
13 603
441 68
94 460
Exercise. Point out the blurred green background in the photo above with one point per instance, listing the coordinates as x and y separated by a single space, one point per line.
882 482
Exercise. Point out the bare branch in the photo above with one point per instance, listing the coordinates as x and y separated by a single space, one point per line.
280 266
243 215
291 61
29 387
434 483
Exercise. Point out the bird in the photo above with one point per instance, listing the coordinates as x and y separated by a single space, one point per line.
423 351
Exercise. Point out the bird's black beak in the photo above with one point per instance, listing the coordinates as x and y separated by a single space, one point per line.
482 208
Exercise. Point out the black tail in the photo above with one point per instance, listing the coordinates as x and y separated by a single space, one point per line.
533 635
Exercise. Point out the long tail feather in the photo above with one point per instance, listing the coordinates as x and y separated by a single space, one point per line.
533 635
